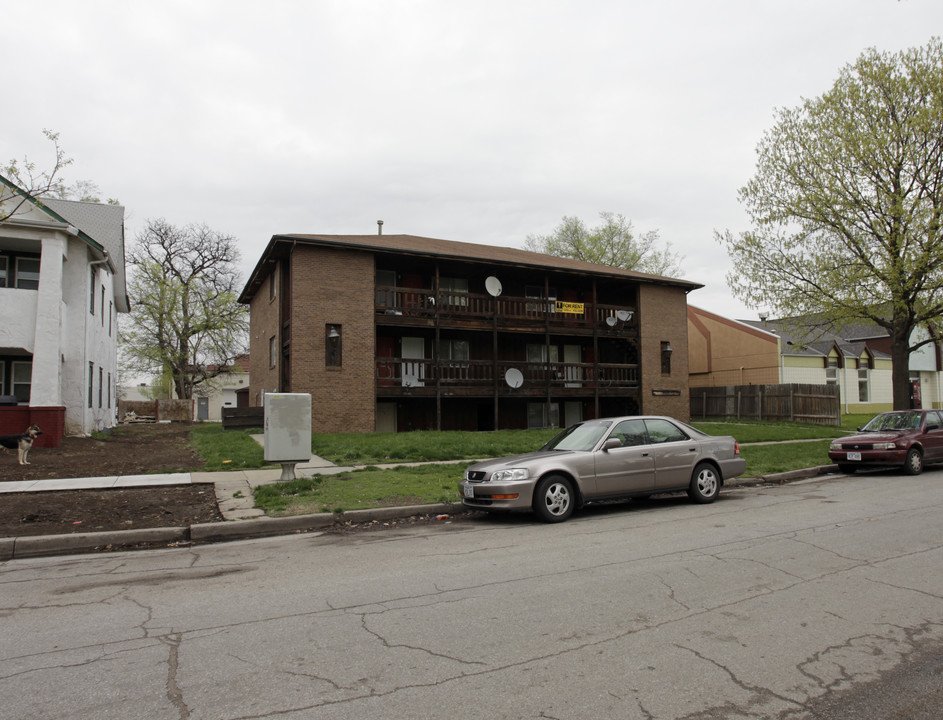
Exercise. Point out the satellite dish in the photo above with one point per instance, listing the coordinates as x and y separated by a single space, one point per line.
624 315
611 321
493 285
514 378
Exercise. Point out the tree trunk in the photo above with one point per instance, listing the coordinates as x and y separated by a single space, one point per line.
900 357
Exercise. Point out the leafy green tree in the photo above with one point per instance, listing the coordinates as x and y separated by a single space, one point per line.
847 204
185 320
613 243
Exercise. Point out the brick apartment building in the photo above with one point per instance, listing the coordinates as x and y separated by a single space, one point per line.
398 332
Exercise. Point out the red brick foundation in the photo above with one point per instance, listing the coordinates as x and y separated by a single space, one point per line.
51 420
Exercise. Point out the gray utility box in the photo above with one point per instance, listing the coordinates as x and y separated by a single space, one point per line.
287 427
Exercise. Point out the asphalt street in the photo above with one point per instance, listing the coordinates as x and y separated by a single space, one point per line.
770 603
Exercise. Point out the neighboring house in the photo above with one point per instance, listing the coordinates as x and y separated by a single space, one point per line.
398 332
62 285
229 387
856 357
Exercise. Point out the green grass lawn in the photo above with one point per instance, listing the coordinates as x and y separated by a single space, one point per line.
438 482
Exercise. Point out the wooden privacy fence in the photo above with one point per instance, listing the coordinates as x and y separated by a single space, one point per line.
240 418
800 403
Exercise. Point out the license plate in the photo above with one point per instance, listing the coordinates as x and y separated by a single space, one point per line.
854 456
468 491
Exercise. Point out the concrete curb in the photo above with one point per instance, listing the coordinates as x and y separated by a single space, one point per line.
205 533
30 546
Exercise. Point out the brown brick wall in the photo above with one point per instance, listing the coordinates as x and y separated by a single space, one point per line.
335 287
663 317
263 324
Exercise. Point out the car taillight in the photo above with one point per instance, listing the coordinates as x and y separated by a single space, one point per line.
736 448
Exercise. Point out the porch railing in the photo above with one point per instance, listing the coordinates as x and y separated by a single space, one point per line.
412 372
419 302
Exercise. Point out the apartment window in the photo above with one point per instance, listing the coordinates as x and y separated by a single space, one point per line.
103 306
101 382
27 273
272 284
272 352
91 382
543 415
3 378
455 290
111 310
333 346
21 380
3 272
535 291
91 293
109 390
864 385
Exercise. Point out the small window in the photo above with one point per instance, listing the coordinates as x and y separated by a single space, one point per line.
333 346
101 382
3 272
273 284
3 378
864 385
27 273
109 390
666 351
91 382
111 310
21 380
91 293
103 306
272 352
831 371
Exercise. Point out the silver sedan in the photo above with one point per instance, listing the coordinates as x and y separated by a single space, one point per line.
601 459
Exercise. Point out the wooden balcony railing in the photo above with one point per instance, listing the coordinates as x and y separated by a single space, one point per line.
409 373
418 302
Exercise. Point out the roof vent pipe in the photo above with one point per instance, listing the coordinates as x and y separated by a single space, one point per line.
379 227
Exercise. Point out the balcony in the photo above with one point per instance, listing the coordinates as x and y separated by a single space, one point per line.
418 306
424 377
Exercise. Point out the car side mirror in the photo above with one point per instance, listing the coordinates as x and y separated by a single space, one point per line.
932 427
611 443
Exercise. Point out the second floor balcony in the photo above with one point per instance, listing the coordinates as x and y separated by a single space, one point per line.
419 305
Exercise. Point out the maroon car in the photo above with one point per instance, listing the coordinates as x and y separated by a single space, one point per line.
908 439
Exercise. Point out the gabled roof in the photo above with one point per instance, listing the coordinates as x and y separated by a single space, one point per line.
105 224
99 225
812 340
451 249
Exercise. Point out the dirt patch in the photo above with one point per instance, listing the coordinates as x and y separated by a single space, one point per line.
129 450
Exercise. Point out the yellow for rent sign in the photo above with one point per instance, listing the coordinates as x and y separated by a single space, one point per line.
569 307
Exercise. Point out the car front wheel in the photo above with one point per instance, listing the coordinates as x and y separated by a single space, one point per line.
913 464
705 484
554 499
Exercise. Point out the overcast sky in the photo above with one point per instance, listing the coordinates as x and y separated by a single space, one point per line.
482 121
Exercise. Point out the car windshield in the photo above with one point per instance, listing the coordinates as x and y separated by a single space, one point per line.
894 421
578 437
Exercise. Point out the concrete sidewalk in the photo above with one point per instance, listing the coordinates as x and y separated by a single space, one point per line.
235 500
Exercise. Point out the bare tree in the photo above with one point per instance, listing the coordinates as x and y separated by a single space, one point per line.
185 320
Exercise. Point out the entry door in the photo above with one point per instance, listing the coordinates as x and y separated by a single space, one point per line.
203 408
414 373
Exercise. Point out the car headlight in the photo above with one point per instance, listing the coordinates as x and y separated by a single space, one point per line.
836 445
885 446
508 475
